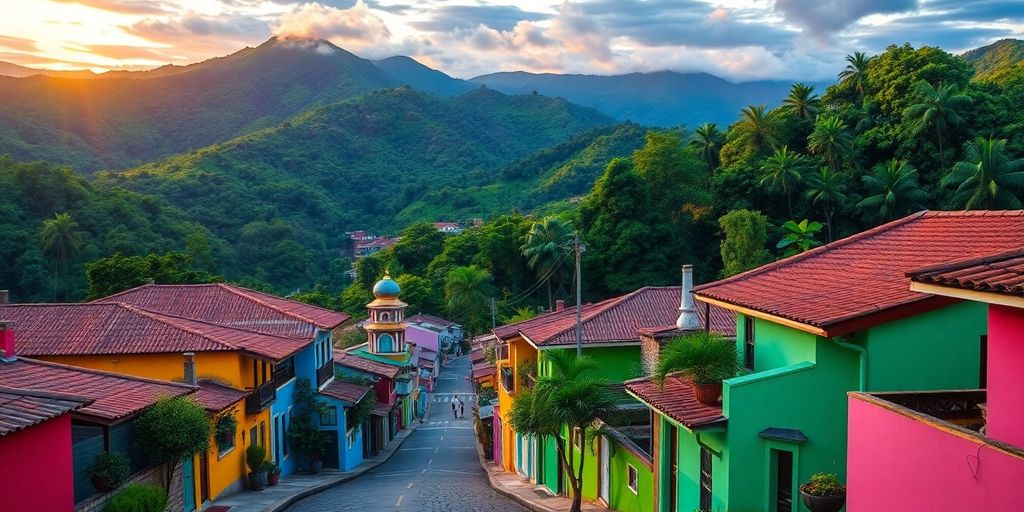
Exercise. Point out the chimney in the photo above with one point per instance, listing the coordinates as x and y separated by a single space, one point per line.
7 351
559 305
190 369
687 310
5 296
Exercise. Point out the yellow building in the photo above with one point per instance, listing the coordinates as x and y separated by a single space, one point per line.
511 351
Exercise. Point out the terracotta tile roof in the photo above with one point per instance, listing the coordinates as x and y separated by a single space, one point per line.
675 400
22 408
345 391
116 328
113 396
999 273
614 320
380 409
215 397
232 306
866 273
366 365
430 319
483 370
477 355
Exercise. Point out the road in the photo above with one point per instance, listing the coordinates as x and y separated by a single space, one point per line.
435 470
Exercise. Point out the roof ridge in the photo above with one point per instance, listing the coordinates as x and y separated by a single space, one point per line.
39 393
221 326
602 308
40 362
964 262
242 291
162 318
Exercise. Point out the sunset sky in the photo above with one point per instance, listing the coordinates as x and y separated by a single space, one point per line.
737 39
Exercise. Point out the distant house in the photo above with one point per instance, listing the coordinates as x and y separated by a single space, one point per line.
368 247
449 228
432 332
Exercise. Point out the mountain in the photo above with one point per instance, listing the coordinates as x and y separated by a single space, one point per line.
664 98
990 60
16 71
410 72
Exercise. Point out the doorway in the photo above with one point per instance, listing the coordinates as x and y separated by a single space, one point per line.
605 469
204 477
673 466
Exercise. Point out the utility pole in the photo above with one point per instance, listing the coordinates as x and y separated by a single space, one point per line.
494 318
579 291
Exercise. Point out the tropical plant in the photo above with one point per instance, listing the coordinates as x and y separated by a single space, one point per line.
937 109
138 498
894 190
109 470
527 373
172 430
702 357
856 72
304 435
225 429
521 314
466 294
743 244
61 242
802 101
831 140
987 178
784 171
799 237
546 247
707 140
824 484
760 130
826 189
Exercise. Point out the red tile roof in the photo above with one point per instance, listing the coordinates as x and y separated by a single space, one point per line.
22 408
115 328
431 319
999 273
614 320
675 400
113 396
361 363
477 355
345 391
483 370
232 306
380 409
866 273
215 397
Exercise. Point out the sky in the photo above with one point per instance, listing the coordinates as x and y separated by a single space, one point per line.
736 39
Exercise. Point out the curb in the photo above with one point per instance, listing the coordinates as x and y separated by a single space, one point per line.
529 505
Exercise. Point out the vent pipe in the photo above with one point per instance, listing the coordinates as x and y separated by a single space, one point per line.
190 369
687 310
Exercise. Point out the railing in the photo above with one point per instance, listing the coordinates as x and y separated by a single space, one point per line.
324 373
508 380
261 397
284 372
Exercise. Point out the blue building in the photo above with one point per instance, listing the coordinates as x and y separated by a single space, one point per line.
341 424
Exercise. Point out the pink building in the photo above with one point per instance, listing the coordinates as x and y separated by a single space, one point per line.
950 450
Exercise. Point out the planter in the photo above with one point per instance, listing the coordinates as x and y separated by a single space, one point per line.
101 484
257 480
273 478
823 503
708 394
315 466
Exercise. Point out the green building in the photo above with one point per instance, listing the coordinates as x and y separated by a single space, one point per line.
811 328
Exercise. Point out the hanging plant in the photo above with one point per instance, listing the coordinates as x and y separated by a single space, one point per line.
225 430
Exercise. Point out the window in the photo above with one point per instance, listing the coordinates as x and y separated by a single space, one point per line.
705 480
748 342
329 418
252 436
783 480
632 478
263 433
385 316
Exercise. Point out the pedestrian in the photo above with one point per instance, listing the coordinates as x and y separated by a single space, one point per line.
455 411
462 409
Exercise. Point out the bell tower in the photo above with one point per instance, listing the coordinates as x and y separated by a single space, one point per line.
385 327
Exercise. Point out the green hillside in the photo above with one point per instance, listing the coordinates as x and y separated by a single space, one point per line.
992 60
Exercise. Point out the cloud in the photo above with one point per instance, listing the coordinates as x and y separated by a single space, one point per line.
123 6
191 37
18 43
356 26
822 18
447 18
121 52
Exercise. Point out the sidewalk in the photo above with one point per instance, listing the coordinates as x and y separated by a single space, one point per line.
295 487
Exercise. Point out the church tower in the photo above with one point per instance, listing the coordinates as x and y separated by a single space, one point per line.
385 326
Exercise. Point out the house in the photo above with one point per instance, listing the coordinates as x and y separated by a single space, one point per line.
363 248
484 371
956 449
432 332
430 367
382 425
811 328
341 423
448 228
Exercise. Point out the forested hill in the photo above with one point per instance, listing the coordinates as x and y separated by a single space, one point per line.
994 59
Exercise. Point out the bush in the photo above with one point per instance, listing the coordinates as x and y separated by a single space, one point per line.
171 430
255 456
110 467
824 484
138 498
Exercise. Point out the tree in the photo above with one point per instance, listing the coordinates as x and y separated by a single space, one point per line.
546 248
743 246
784 171
707 140
856 72
987 179
107 276
894 190
418 244
173 430
831 140
759 130
61 242
798 237
826 189
418 293
802 101
570 397
936 110
467 294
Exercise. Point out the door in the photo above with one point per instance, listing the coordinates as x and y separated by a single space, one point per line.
204 477
705 480
188 485
331 458
605 468
783 480
673 467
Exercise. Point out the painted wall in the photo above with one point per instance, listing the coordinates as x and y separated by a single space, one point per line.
37 468
349 456
899 463
422 337
617 364
518 352
688 468
1006 375
620 496
775 346
227 468
229 367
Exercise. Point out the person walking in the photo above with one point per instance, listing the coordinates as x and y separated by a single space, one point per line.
455 411
462 409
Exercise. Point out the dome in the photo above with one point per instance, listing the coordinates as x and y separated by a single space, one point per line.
386 287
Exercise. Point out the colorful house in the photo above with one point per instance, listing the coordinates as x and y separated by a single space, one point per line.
959 449
432 332
341 426
811 328
382 425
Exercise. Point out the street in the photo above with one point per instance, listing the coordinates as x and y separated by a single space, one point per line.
435 470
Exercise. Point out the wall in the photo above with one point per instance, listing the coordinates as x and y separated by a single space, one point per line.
226 366
775 346
424 338
518 351
688 468
1006 374
227 470
620 496
899 463
37 468
616 364
151 476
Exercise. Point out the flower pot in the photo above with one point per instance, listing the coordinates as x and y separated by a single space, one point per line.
101 484
708 394
823 503
257 480
273 478
315 465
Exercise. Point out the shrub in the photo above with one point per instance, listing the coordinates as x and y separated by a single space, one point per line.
171 430
255 456
110 467
138 498
824 484
703 357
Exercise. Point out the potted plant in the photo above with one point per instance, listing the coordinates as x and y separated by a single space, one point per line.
225 429
823 493
304 435
705 358
273 473
108 471
255 455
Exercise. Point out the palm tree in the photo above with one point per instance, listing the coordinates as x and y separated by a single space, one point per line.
825 188
783 171
987 179
831 140
856 71
798 237
707 141
895 191
569 396
545 247
467 292
760 130
61 240
702 356
802 101
937 110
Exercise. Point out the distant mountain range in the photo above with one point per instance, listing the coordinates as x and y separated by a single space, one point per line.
991 59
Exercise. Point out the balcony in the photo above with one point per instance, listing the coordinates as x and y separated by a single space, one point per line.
324 373
284 372
501 352
508 380
261 397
